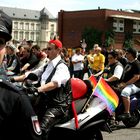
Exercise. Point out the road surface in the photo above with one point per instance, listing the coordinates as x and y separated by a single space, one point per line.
123 133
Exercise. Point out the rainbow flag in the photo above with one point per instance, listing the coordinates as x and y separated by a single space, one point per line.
106 94
93 81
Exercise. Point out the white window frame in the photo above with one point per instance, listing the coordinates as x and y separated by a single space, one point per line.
21 25
15 25
21 35
117 25
136 26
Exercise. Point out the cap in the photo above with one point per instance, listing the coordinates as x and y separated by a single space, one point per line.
5 26
57 42
132 51
13 47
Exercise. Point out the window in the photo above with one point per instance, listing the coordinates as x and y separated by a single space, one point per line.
27 26
16 35
27 35
32 36
21 36
15 25
32 26
37 36
37 27
52 27
21 25
136 26
118 25
52 35
121 29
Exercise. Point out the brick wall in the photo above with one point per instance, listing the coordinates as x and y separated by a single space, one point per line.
72 23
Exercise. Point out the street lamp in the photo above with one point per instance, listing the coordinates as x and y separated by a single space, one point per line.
83 44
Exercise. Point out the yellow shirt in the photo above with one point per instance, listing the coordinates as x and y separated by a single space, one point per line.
98 63
90 58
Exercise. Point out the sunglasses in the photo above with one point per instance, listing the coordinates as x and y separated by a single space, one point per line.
49 49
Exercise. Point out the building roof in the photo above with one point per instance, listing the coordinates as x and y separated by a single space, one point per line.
136 11
25 13
125 17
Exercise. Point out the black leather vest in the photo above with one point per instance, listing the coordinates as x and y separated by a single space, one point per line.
111 72
61 96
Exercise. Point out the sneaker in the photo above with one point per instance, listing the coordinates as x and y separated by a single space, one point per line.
124 116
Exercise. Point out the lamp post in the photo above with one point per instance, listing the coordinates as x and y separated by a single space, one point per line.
83 44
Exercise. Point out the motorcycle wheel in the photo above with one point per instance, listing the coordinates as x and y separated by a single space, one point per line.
133 121
93 135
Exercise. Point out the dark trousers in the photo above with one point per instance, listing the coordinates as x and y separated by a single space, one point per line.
78 74
51 117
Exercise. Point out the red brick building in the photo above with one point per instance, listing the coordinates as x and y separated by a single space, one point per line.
72 23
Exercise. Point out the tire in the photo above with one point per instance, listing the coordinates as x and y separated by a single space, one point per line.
133 121
93 135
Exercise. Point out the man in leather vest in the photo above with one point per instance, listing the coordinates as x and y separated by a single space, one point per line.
113 75
54 101
114 71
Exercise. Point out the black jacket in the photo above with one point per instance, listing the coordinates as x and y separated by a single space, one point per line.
18 120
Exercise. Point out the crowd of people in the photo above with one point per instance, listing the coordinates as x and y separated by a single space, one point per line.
119 67
54 67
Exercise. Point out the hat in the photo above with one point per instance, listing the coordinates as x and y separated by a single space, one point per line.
13 47
30 41
5 26
132 51
56 42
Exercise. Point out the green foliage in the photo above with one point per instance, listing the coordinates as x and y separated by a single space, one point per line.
128 43
109 38
92 36
128 40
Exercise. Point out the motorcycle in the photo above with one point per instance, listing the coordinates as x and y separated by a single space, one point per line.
85 120
134 111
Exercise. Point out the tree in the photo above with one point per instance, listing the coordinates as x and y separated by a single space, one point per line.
109 38
128 40
92 36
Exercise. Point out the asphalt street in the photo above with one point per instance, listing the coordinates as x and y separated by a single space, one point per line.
123 133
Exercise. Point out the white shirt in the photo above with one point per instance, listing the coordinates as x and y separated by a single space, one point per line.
80 65
60 76
118 71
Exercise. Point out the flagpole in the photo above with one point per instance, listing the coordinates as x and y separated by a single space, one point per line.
87 102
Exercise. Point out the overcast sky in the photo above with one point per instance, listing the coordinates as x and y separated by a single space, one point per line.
54 6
